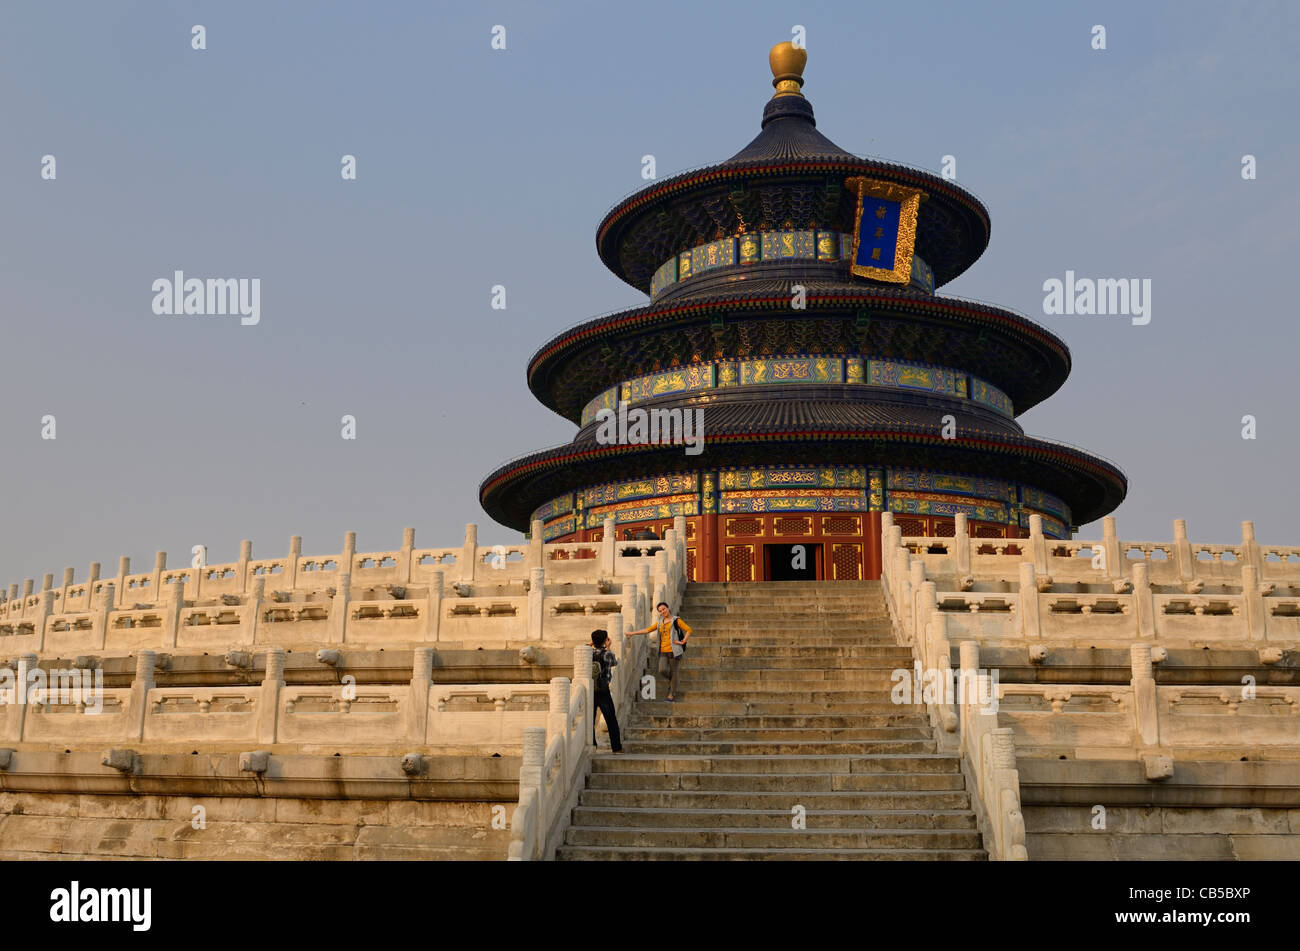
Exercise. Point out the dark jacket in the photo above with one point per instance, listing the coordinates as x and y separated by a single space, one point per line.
607 662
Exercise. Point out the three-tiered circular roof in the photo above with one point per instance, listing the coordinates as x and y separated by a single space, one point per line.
791 178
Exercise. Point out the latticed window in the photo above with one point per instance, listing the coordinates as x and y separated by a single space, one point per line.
744 526
846 560
740 563
690 564
790 525
944 527
841 525
910 526
990 531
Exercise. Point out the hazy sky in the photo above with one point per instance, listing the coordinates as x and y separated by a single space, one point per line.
478 167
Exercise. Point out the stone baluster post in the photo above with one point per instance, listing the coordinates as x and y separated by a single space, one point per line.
643 609
405 558
1256 618
961 546
608 555
530 777
241 566
1031 617
1250 554
348 557
582 677
43 611
433 606
1183 552
268 699
1145 711
291 562
536 603
92 578
629 608
252 609
1143 601
1110 545
28 586
155 583
339 608
138 702
68 576
123 569
673 566
172 613
536 545
47 581
1006 786
915 578
623 672
968 653
469 557
1038 546
421 679
99 632
557 716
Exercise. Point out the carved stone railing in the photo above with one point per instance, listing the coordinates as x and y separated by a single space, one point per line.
475 595
990 752
966 563
557 757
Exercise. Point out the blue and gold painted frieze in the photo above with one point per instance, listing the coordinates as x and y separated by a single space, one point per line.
558 528
782 245
812 477
1043 501
697 376
720 253
560 506
811 500
614 492
914 480
639 511
989 395
902 374
769 246
664 277
912 376
792 370
606 400
906 503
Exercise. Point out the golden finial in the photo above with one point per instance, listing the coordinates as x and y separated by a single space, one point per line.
787 62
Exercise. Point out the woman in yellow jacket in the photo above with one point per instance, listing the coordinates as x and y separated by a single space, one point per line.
673 634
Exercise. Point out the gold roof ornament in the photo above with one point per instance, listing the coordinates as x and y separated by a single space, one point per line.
787 62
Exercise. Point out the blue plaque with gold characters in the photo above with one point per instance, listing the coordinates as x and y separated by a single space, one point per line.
885 234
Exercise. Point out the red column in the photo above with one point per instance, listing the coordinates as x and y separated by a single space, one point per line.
873 546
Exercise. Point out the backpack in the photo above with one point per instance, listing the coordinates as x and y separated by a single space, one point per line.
597 668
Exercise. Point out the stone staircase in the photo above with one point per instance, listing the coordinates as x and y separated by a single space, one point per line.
784 702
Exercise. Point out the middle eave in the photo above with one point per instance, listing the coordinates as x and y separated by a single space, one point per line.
1013 353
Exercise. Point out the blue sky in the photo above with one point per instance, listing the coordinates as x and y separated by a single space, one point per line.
479 167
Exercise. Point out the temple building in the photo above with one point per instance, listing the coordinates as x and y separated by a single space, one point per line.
792 300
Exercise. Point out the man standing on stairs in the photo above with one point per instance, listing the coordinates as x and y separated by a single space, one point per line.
673 634
604 700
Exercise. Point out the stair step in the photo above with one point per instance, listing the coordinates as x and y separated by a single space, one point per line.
785 783
721 838
773 734
617 853
837 722
676 747
855 820
813 801
773 763
697 706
